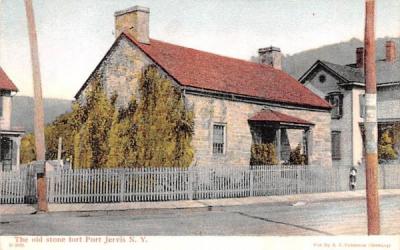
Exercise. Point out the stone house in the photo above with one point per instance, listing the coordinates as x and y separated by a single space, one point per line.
343 86
10 138
236 103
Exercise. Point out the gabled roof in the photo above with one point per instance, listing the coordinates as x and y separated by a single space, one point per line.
349 73
386 73
210 72
5 82
343 73
267 115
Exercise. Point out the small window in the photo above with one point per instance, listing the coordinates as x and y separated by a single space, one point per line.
335 136
322 78
336 100
218 139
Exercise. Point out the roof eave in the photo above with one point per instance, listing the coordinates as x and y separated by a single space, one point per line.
388 84
255 98
302 78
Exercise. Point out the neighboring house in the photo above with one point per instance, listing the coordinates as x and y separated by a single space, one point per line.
236 103
10 138
343 86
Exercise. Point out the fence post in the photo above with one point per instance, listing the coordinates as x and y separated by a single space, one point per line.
122 185
195 182
383 175
297 179
190 184
251 176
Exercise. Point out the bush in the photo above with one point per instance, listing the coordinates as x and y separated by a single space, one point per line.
263 154
296 157
385 147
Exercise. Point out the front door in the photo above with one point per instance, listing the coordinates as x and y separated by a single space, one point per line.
6 147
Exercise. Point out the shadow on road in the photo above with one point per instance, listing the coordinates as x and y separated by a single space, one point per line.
284 223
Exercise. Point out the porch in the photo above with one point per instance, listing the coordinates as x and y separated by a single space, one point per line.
10 146
285 132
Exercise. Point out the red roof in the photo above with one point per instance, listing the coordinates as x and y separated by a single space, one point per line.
207 71
268 115
5 82
199 69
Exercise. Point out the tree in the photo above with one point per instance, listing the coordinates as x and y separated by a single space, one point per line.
164 125
65 126
122 138
385 147
155 131
28 153
91 142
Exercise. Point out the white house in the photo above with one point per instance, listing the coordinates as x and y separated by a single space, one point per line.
10 138
343 86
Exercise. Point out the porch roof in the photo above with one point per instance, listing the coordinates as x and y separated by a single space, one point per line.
12 132
267 115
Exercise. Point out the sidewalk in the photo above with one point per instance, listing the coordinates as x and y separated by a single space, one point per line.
286 199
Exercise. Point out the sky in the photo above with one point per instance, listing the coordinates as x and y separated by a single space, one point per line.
74 35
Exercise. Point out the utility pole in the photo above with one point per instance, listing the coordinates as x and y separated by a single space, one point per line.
371 128
39 116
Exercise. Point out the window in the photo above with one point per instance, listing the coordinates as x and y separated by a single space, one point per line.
335 136
218 139
6 155
362 105
336 100
322 78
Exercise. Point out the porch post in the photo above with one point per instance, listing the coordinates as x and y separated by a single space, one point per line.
309 140
278 145
18 160
305 143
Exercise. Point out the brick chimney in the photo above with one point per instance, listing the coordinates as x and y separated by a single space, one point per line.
271 56
134 21
390 51
360 57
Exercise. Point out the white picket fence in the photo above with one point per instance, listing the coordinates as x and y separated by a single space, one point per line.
18 187
117 185
161 184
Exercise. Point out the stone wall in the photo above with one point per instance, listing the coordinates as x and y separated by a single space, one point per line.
234 115
120 71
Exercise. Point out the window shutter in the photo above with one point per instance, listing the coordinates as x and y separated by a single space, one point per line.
336 145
